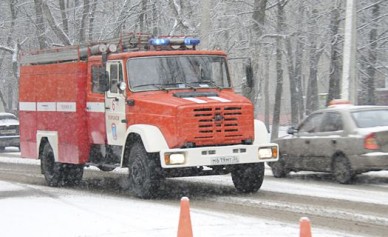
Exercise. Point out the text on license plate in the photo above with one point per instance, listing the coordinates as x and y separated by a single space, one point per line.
224 160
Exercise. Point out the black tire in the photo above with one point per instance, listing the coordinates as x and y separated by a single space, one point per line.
342 170
73 174
144 173
279 168
248 178
53 171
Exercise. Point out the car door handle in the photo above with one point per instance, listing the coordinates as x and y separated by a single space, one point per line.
334 141
307 141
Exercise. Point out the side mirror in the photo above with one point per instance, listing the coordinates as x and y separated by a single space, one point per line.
249 74
122 86
292 130
104 79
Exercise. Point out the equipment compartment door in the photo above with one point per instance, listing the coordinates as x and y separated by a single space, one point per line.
116 125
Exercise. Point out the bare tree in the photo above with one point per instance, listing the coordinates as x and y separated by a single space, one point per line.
250 89
65 21
40 27
13 51
372 56
335 59
62 36
84 20
294 63
315 52
181 22
92 15
279 70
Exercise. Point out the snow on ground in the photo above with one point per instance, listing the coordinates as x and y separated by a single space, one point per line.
67 213
44 211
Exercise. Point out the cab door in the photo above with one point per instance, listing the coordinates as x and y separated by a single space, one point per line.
115 115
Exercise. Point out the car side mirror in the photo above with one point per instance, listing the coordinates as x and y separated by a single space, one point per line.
292 130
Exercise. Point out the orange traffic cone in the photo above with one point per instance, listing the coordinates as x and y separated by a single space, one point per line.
184 228
305 227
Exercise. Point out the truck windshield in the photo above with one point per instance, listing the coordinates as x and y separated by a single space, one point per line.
178 71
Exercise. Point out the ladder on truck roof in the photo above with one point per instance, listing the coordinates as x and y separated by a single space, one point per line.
126 42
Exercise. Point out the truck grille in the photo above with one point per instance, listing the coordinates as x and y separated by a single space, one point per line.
213 121
217 125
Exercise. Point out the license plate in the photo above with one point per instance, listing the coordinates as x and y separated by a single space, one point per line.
7 132
224 160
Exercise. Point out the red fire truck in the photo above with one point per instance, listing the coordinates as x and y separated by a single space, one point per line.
155 105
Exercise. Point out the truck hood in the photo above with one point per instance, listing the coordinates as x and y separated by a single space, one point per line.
186 97
201 117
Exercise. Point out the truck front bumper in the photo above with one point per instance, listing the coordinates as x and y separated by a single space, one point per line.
219 155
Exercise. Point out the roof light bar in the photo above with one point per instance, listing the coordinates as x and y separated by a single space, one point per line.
192 41
189 42
159 42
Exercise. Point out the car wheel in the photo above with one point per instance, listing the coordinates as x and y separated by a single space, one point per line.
53 171
342 170
248 178
73 174
279 168
144 177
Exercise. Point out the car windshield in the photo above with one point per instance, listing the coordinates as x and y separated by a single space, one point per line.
371 118
172 72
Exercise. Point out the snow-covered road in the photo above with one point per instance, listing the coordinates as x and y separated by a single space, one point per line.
103 205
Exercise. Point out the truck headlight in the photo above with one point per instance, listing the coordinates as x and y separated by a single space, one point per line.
268 152
174 158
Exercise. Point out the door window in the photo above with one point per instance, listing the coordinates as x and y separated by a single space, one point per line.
115 76
97 79
311 124
332 122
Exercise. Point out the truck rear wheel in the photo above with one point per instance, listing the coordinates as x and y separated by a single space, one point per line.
53 171
248 178
144 177
73 174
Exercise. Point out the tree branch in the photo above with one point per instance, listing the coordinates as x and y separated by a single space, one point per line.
53 24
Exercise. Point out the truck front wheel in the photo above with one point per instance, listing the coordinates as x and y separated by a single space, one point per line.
53 171
248 178
144 175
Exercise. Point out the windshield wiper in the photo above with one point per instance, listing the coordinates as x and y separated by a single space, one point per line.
159 86
208 82
186 85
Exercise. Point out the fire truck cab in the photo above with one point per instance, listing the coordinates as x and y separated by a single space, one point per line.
155 105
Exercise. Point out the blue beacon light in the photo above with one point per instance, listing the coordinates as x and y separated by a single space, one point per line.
159 42
191 41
